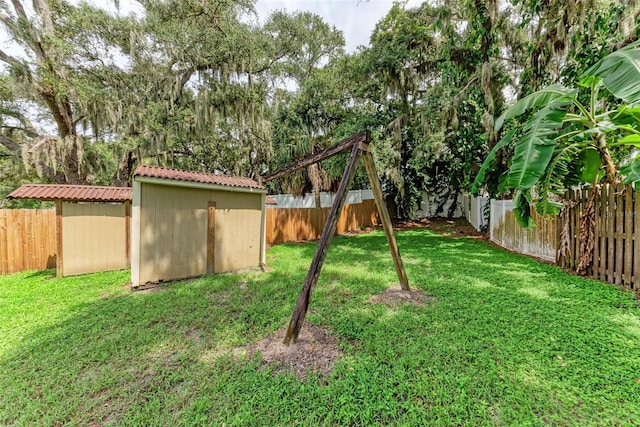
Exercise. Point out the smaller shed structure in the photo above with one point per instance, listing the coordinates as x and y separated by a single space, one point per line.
186 224
92 225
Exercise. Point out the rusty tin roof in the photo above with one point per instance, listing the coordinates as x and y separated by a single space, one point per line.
73 193
201 177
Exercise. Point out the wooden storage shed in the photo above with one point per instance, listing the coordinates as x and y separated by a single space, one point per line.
186 224
92 225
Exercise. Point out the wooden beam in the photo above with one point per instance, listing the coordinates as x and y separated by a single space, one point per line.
211 237
318 157
385 218
300 311
59 256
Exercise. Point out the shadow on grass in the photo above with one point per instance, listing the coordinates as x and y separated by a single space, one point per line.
507 340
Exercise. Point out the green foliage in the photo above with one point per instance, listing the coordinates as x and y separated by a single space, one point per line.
631 171
535 146
619 72
585 138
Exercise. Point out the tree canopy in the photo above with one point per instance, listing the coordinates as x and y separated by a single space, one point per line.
207 86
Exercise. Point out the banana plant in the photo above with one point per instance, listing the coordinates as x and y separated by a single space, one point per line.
564 141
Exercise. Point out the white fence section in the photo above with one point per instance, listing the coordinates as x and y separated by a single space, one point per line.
326 199
504 230
475 211
497 230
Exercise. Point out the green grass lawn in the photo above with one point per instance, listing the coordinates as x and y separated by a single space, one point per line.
507 341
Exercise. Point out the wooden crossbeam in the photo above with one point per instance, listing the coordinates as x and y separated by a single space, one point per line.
340 147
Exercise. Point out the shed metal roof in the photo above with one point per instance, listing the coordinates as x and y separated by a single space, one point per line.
72 193
201 177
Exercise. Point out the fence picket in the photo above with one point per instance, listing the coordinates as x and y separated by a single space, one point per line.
4 242
628 237
611 226
602 220
619 234
636 250
575 225
595 266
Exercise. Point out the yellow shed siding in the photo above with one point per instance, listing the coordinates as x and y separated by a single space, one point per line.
173 231
93 237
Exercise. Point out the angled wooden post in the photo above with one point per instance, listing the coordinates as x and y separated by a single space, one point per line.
384 214
300 311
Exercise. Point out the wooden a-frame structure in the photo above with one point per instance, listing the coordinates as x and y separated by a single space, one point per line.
359 146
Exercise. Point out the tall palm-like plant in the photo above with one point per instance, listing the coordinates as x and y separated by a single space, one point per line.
565 141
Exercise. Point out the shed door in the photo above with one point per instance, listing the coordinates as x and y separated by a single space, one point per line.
211 237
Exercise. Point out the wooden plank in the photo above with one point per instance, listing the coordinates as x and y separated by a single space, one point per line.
211 237
343 145
374 180
595 266
611 226
573 227
300 311
602 220
4 256
628 240
15 241
51 239
619 230
558 223
560 260
38 247
636 240
28 243
59 254
586 197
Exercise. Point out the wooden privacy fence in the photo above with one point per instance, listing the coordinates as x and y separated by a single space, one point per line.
295 224
27 240
616 256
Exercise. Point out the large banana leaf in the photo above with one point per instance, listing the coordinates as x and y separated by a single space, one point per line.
541 98
522 209
535 147
477 183
590 164
555 176
620 73
631 140
631 172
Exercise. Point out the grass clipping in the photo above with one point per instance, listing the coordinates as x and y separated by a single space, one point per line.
315 351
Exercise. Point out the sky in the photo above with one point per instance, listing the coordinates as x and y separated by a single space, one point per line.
355 18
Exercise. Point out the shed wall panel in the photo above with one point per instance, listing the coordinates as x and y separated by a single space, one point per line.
173 231
93 237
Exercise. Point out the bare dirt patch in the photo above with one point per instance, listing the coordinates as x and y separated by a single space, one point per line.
394 296
315 351
447 227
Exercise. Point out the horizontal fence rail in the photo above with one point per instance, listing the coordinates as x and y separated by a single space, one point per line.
27 240
296 224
